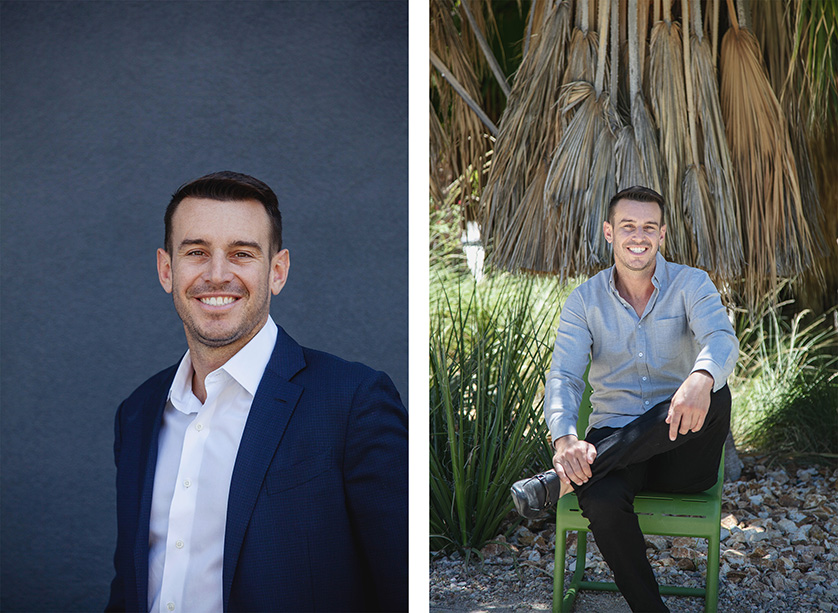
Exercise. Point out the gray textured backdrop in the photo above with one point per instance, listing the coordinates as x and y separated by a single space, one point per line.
106 108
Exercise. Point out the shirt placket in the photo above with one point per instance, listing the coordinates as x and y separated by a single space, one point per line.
183 508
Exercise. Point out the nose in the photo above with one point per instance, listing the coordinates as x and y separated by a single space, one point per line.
218 270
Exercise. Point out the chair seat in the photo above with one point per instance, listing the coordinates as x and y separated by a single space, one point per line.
659 513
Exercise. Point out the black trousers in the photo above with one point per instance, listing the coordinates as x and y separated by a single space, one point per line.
640 456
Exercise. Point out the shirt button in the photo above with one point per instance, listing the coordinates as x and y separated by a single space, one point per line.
179 544
647 402
200 427
644 378
187 483
171 606
640 354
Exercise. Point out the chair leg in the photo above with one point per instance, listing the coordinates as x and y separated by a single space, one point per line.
711 597
563 601
558 569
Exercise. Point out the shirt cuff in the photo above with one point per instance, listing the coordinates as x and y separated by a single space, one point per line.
560 427
719 379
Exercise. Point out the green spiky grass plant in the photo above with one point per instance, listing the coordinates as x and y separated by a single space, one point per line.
490 347
786 384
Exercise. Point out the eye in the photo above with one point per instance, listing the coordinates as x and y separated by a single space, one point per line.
195 252
242 255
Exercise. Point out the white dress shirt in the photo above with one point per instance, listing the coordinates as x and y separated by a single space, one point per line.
196 453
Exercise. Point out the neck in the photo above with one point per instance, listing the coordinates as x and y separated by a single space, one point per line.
635 287
206 359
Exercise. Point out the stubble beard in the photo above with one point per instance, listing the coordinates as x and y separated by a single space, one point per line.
245 328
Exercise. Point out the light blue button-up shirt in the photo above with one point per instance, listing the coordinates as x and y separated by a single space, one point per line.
636 362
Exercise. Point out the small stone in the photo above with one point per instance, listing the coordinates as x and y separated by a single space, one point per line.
754 534
786 526
680 553
735 576
788 501
534 556
658 543
734 558
492 550
778 581
524 536
685 564
729 521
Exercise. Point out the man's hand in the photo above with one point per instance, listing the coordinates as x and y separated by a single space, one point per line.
689 405
573 459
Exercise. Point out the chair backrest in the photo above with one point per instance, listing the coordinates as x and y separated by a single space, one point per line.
584 407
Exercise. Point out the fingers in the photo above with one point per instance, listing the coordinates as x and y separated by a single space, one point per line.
574 463
560 470
682 421
674 421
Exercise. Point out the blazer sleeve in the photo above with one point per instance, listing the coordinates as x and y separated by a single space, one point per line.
375 461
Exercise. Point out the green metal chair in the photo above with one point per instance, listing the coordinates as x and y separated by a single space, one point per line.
696 515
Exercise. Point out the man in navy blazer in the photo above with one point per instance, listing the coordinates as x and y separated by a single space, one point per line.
310 451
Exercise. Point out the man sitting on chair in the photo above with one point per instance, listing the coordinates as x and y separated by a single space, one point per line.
661 348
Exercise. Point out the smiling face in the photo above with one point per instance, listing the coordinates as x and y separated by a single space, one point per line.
220 271
636 232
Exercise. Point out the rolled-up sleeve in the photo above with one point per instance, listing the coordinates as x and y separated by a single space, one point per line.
565 383
713 332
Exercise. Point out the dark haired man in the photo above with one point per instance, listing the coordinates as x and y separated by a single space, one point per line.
660 348
255 474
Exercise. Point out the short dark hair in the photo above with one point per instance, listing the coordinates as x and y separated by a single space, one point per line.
637 193
226 186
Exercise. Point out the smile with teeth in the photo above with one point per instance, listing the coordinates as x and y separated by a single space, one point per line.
637 249
218 300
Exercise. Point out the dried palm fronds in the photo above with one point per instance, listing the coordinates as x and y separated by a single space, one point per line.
720 251
569 174
774 22
515 220
816 44
582 51
477 29
778 241
467 144
696 197
637 152
666 92
569 179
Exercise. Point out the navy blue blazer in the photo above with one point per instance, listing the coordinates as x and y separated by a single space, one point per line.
317 509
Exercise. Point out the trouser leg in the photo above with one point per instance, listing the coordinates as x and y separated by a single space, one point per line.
648 436
609 507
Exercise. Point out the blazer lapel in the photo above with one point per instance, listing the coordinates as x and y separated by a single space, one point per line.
272 407
152 416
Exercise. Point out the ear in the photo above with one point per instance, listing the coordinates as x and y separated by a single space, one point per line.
280 264
164 269
608 231
663 232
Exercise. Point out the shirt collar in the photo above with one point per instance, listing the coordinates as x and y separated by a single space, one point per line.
246 368
657 278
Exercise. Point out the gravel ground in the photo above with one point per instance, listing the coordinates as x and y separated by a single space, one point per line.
779 552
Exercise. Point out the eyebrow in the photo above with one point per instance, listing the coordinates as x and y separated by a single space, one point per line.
645 223
201 242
